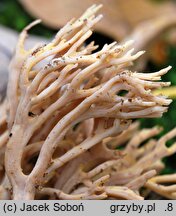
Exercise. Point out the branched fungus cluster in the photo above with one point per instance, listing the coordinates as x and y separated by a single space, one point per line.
66 123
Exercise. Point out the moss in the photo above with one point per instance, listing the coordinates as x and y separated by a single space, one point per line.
14 16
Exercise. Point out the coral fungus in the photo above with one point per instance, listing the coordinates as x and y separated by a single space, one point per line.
69 108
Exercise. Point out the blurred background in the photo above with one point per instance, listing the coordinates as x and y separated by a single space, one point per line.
151 23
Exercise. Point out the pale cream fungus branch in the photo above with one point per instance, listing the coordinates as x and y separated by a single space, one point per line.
70 108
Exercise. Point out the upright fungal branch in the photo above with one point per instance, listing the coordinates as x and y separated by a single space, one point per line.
64 112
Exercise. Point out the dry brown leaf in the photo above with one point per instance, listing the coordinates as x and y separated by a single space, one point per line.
120 16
